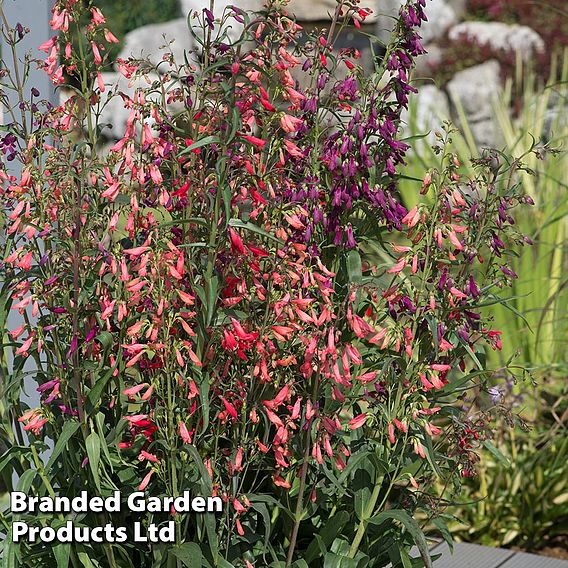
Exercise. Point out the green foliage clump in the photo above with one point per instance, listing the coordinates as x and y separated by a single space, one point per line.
522 492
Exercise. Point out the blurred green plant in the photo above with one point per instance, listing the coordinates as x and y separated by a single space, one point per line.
522 491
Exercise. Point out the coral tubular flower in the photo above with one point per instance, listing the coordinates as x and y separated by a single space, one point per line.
33 421
357 421
257 142
184 433
97 17
290 123
145 482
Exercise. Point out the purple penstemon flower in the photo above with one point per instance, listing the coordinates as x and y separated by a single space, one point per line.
495 395
73 347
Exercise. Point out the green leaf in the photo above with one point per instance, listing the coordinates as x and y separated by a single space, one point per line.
354 266
106 339
10 553
93 444
411 526
206 490
189 553
404 556
8 456
67 432
328 534
95 393
85 560
25 482
235 125
203 384
200 143
333 560
100 417
263 510
496 453
62 553
472 354
212 289
430 456
253 229
441 526
363 484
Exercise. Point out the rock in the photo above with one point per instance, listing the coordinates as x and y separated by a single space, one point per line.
148 42
500 37
348 38
387 13
303 10
428 109
323 10
113 112
312 11
441 16
486 133
234 28
427 63
459 7
476 88
220 6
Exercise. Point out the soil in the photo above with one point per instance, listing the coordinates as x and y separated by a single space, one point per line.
554 552
556 549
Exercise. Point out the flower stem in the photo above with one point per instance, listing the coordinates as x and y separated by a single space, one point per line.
300 503
362 528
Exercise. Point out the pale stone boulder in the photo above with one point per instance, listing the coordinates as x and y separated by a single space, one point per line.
427 63
441 17
113 114
459 7
112 110
387 14
312 10
303 10
151 42
322 10
427 111
487 133
234 28
500 37
428 108
476 89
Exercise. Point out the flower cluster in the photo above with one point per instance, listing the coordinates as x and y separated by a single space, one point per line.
231 299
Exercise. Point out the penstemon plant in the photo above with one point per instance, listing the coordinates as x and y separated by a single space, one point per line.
231 300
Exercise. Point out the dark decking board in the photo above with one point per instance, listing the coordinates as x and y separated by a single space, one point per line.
475 556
